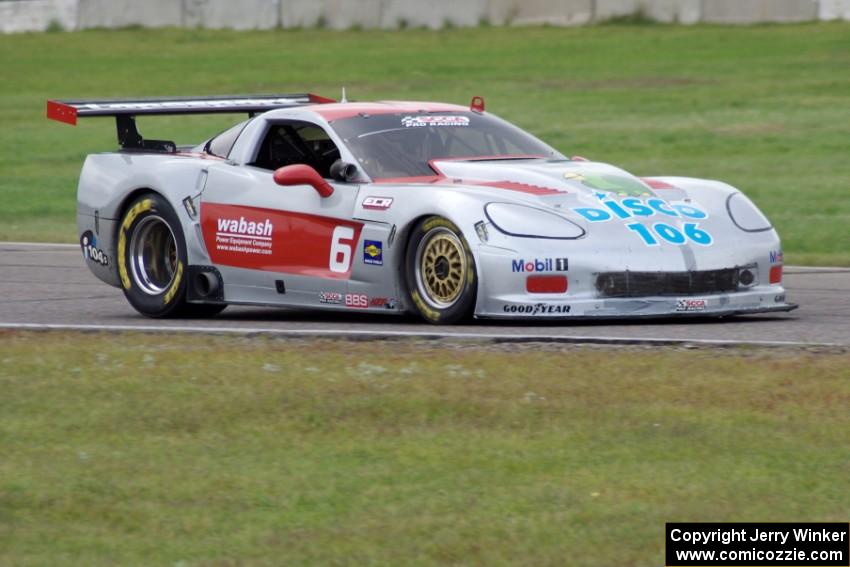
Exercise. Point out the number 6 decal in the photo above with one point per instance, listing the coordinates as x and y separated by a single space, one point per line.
340 260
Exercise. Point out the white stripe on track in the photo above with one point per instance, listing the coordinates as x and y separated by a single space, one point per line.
39 244
380 335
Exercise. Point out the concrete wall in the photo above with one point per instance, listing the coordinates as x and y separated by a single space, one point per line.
335 14
435 14
536 12
834 10
748 11
241 15
37 15
123 13
668 11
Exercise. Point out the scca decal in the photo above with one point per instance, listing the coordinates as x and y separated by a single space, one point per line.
279 241
330 297
691 305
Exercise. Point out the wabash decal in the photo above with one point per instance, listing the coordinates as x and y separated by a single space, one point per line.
279 241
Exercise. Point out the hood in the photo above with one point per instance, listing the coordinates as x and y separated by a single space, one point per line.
552 181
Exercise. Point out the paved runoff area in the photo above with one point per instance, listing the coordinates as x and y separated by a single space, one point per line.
45 286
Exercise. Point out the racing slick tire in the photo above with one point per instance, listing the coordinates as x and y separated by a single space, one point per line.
440 273
152 261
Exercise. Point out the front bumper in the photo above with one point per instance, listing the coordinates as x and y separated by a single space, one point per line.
647 284
525 306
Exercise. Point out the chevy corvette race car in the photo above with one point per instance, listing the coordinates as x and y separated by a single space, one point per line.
438 209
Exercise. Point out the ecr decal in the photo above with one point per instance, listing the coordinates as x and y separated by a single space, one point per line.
377 203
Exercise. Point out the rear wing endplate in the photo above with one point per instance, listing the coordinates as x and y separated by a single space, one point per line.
126 110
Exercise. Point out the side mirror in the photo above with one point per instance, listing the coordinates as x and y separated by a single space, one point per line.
302 175
342 171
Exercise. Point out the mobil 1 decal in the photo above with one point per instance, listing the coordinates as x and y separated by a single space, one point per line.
279 241
651 219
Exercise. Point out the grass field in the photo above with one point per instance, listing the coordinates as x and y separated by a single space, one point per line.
224 452
765 108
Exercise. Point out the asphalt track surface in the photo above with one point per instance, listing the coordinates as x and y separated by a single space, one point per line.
48 286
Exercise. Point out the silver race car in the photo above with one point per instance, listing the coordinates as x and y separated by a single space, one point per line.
438 209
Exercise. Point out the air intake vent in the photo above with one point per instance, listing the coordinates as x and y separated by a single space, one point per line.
646 284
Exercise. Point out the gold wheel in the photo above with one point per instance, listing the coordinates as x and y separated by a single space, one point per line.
440 268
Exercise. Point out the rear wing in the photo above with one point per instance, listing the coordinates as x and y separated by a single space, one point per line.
126 110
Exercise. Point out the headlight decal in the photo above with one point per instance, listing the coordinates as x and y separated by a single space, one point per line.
745 215
524 221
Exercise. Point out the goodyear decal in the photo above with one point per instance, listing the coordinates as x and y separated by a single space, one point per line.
172 290
135 211
434 222
423 307
122 266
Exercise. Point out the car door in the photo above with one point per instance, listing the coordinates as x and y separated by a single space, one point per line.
276 244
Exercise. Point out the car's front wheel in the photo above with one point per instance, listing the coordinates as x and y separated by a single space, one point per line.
152 261
440 271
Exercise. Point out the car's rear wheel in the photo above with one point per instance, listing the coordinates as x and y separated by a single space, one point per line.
440 271
152 261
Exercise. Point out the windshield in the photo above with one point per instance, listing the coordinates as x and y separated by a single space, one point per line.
401 145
